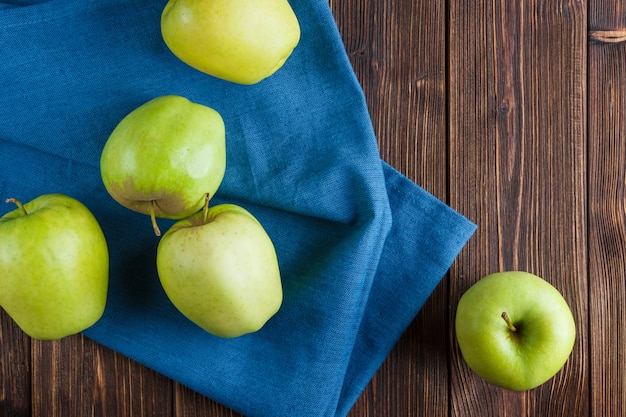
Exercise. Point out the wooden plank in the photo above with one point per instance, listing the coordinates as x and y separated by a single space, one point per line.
607 206
517 152
15 369
75 376
398 52
191 404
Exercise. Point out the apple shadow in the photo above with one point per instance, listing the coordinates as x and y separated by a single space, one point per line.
134 286
135 282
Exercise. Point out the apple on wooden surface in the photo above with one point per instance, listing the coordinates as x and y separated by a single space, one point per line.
54 266
164 157
219 268
243 41
514 329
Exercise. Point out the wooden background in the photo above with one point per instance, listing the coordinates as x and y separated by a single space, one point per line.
512 112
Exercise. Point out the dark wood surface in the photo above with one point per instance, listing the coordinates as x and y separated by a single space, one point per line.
512 112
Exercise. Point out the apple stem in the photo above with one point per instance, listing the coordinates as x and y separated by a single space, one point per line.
506 318
155 226
18 204
205 209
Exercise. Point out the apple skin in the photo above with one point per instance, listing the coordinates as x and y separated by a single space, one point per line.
164 157
54 267
242 41
222 273
516 360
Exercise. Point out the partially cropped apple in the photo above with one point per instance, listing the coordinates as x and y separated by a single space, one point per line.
243 41
164 157
54 266
514 329
219 268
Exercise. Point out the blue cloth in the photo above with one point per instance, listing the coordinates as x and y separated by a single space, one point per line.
360 246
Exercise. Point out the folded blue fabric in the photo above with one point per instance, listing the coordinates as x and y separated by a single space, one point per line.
360 246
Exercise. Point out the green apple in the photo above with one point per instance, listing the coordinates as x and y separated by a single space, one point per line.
54 266
164 157
514 329
219 268
243 41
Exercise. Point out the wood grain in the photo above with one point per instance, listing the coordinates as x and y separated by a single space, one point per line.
518 168
15 369
78 377
607 207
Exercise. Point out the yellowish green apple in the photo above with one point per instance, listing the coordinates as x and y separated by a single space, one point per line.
164 157
243 41
54 266
514 329
219 268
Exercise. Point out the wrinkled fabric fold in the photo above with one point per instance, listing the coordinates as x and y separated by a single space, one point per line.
360 246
